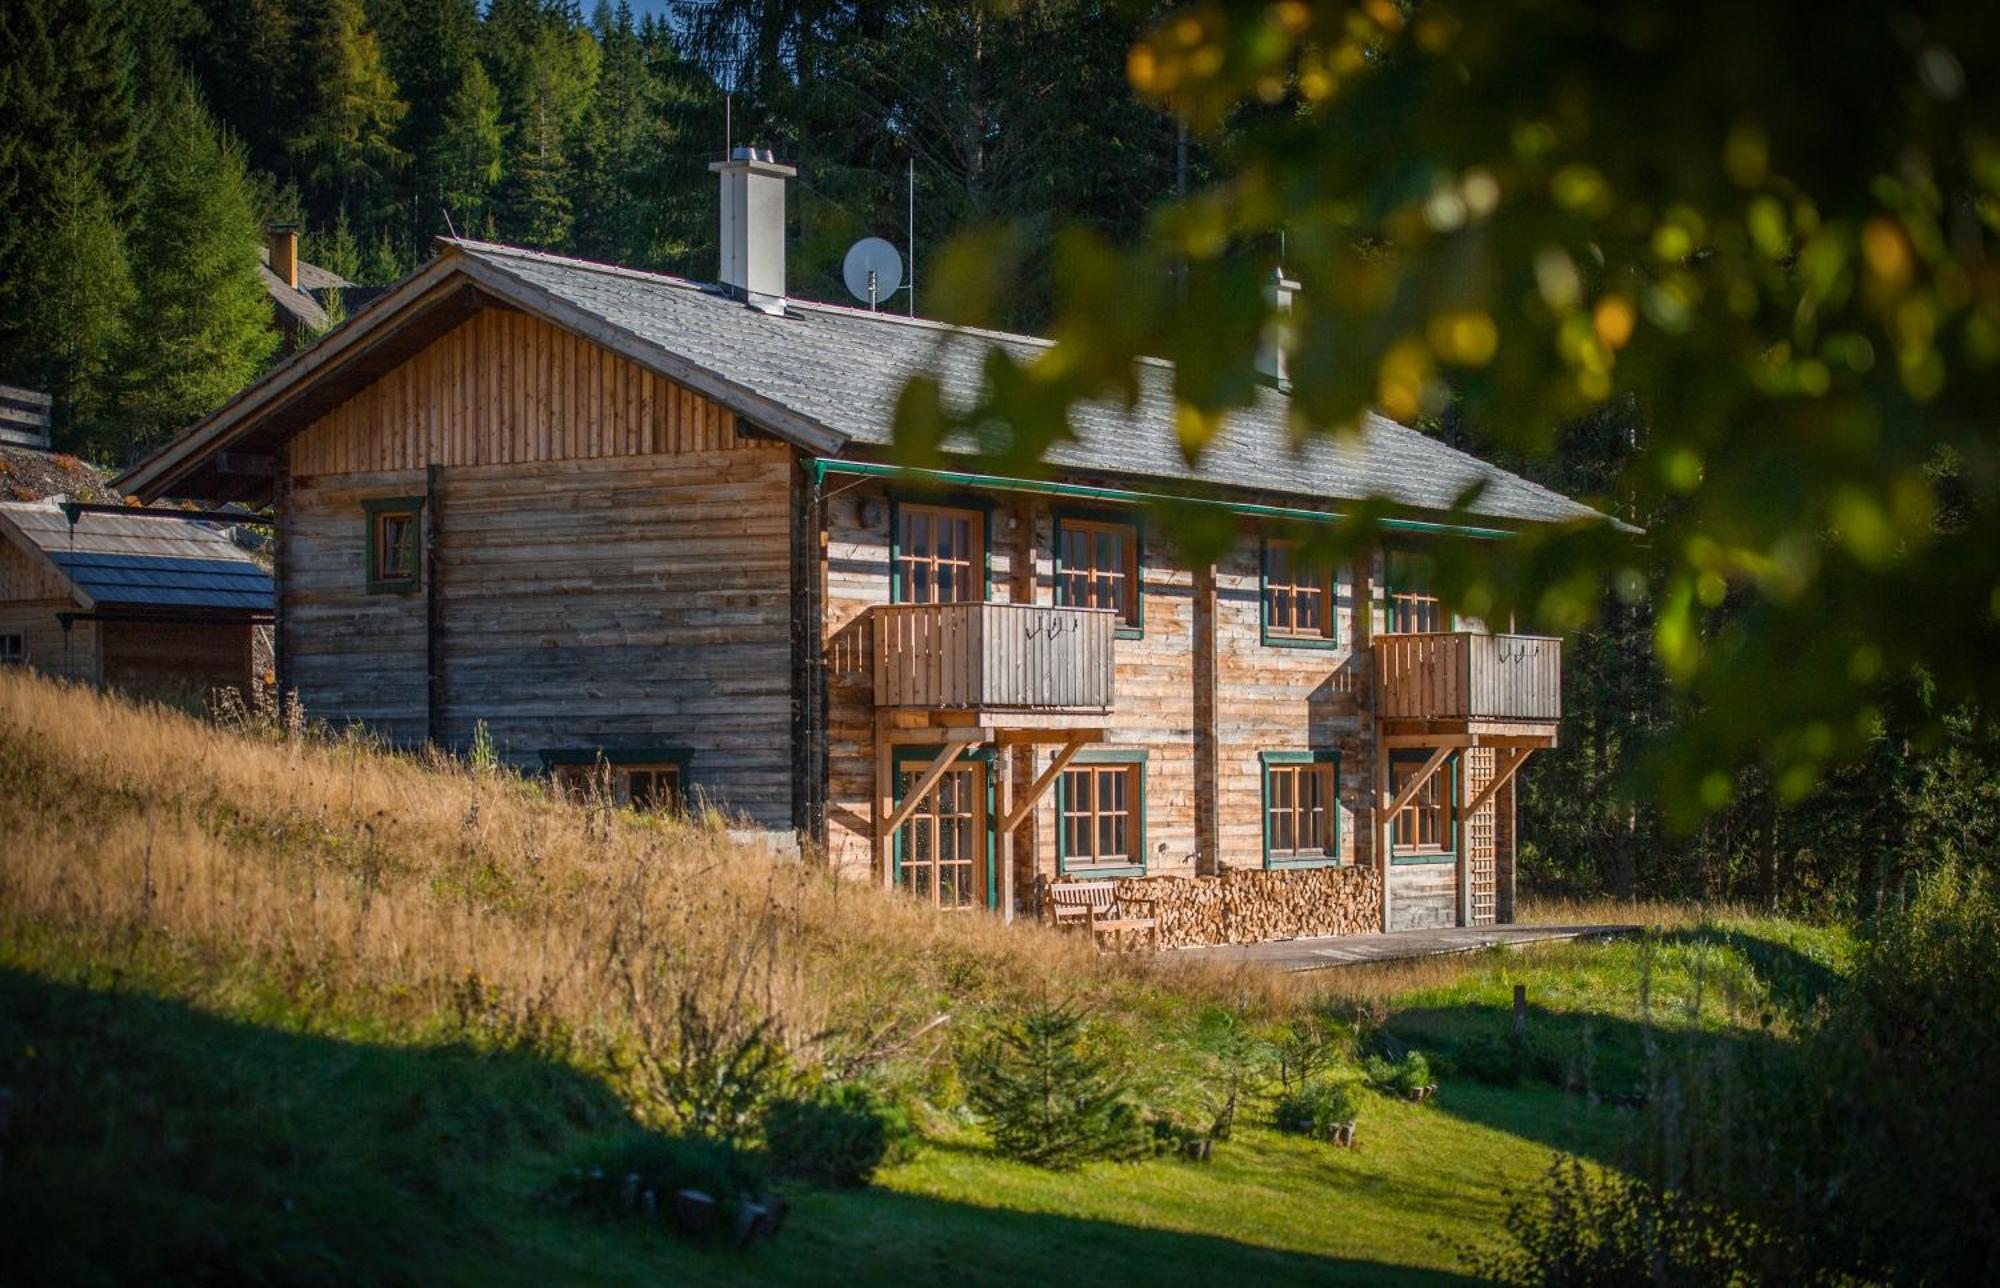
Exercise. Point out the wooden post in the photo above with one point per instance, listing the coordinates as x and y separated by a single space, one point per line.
1520 1010
1382 822
884 801
1207 755
281 513
1003 792
1460 780
434 691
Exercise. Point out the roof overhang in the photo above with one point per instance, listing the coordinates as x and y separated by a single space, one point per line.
230 455
40 558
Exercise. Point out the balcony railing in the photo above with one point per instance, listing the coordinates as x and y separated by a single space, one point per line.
1456 675
1022 657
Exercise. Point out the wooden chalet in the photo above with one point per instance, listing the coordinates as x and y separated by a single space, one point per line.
650 524
146 602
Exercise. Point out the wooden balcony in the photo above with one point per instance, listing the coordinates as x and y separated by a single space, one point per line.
1460 677
1027 659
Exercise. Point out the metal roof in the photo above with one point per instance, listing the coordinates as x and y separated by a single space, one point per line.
142 561
844 368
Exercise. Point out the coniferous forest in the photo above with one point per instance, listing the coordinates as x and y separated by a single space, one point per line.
145 146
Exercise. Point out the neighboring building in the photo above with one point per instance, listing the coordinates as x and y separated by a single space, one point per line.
305 298
617 515
149 604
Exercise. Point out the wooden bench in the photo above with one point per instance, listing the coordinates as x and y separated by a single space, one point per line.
1095 905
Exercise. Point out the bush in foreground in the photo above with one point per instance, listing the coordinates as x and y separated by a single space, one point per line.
837 1138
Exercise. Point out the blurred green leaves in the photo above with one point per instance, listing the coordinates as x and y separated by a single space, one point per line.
1769 229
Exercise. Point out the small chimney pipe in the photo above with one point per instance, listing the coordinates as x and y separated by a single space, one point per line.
283 239
753 227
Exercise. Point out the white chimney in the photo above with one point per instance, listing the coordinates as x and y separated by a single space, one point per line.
1277 335
753 227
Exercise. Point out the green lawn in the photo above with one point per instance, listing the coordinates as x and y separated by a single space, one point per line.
236 1134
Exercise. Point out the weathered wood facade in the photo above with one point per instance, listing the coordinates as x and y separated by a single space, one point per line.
502 510
606 564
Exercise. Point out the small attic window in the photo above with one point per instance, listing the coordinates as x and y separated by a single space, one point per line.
395 544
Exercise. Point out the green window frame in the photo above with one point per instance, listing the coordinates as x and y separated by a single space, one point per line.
1410 603
1284 774
1098 767
406 576
1099 524
641 778
1283 591
979 563
1444 784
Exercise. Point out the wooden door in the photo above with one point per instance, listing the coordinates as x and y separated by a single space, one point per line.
941 849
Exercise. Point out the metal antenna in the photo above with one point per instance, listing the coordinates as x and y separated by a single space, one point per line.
913 236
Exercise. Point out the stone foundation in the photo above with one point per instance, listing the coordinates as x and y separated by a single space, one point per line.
1252 905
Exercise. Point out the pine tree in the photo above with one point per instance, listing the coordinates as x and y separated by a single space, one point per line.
471 145
77 289
431 47
66 101
334 249
558 74
201 325
1047 1099
620 139
348 140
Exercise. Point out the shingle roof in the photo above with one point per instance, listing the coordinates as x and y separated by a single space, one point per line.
306 303
142 561
844 368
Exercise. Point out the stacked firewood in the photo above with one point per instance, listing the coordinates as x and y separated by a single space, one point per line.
1252 905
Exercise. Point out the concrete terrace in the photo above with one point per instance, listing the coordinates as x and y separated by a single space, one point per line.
1356 950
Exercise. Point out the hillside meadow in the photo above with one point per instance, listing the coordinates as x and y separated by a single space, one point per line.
298 1008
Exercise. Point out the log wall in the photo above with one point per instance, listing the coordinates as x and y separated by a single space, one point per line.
611 563
1199 692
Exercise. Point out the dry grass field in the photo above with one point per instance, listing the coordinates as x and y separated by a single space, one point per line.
312 1010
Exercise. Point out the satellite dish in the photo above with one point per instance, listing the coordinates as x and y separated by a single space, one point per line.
872 270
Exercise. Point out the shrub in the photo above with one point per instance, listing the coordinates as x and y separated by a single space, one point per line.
615 1184
837 1138
1586 1227
1494 1061
1313 1107
1048 1099
1398 1077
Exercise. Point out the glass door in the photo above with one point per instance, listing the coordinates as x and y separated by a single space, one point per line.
941 849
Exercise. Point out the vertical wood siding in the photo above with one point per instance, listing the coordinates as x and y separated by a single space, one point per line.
30 598
613 562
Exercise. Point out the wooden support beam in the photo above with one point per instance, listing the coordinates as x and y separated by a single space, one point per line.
1403 741
1505 770
1382 824
1003 785
1041 785
1461 778
1052 737
946 757
1415 785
